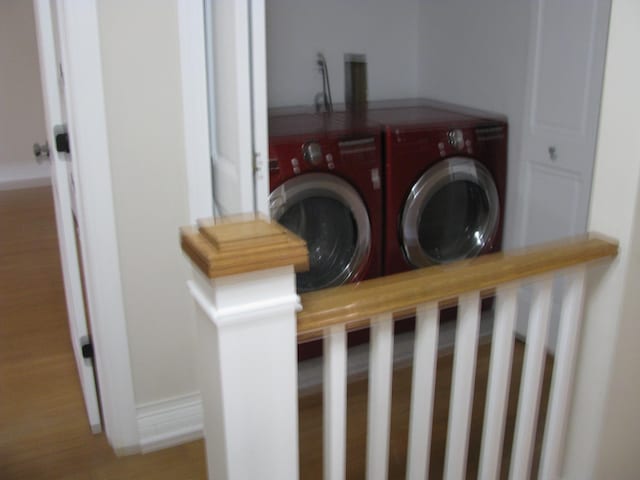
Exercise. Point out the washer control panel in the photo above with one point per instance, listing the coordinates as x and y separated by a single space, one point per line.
453 141
351 157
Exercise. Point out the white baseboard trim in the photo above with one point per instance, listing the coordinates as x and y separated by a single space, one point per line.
171 422
178 420
19 183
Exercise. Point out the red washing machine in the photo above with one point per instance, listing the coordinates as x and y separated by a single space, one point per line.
445 184
325 180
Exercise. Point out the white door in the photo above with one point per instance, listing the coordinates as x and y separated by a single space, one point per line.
567 50
61 178
236 64
566 65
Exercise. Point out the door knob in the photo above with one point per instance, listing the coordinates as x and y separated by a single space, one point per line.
41 152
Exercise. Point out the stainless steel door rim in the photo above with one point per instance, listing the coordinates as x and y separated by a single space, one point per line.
443 174
323 185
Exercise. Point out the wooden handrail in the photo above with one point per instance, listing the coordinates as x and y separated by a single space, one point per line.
354 304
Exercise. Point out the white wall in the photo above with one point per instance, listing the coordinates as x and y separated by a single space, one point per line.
604 428
386 32
466 52
475 54
21 110
470 53
139 42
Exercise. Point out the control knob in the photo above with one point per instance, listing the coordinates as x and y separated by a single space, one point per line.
456 139
312 153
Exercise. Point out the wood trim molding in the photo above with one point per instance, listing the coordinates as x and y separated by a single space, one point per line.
354 304
242 244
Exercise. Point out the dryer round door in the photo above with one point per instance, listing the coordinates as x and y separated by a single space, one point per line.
451 213
329 214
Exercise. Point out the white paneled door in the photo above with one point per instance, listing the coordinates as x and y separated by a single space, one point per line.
565 71
64 201
567 47
236 64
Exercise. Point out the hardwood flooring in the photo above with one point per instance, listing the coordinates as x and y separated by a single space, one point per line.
44 433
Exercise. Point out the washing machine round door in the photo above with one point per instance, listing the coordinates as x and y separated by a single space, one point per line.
329 214
451 213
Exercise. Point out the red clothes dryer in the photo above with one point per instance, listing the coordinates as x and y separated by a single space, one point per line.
325 181
445 176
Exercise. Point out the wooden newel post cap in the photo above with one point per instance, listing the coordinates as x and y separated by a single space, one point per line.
229 246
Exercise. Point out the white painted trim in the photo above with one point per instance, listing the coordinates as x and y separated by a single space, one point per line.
170 422
194 104
259 104
240 313
82 64
29 182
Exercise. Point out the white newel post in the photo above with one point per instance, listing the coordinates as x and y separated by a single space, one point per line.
245 291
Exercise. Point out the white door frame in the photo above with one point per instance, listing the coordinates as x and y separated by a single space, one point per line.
81 62
259 101
80 44
193 67
198 143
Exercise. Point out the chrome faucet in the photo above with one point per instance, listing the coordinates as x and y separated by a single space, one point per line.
325 95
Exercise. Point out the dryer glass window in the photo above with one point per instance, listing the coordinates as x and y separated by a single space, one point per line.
329 229
453 222
451 213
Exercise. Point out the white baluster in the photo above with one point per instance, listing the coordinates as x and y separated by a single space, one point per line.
562 374
334 402
379 414
531 382
498 384
464 367
422 389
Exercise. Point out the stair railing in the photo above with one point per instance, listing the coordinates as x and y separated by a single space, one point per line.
250 319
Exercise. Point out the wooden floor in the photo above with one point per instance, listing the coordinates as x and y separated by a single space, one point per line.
44 433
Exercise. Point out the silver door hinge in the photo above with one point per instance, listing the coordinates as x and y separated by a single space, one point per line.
256 164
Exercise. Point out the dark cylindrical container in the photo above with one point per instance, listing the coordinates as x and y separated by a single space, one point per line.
355 81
